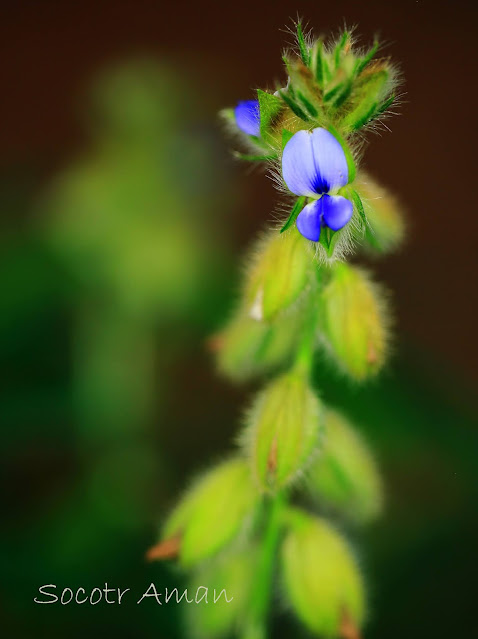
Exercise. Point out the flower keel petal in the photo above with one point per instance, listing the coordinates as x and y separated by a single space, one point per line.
309 221
336 211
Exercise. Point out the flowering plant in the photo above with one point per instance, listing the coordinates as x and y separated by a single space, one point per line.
259 518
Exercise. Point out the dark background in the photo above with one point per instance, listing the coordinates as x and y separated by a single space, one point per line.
421 415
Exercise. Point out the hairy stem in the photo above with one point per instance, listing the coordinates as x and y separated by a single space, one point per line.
256 625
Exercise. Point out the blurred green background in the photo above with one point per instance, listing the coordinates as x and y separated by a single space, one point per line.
123 219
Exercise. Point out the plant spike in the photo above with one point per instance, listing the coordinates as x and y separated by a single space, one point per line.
299 297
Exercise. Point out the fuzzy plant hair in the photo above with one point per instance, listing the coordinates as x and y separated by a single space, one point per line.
263 523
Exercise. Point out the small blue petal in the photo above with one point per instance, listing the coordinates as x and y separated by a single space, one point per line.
313 162
309 220
336 211
248 117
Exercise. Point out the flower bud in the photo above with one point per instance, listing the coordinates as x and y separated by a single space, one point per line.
321 578
354 321
373 93
345 475
280 272
247 348
386 227
214 510
228 576
283 431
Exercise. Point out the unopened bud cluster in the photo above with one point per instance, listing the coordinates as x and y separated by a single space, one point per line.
299 299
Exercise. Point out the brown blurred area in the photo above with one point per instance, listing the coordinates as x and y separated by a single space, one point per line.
50 49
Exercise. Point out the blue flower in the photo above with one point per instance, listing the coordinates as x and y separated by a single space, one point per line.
314 165
248 117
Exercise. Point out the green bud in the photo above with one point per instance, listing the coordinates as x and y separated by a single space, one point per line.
280 272
305 89
386 227
345 475
321 579
373 93
214 616
247 348
213 512
282 432
354 321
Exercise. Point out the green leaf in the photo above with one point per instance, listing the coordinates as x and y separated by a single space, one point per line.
269 107
254 158
303 48
296 209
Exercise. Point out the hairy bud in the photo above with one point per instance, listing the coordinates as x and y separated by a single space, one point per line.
354 321
321 578
280 272
283 431
222 586
345 475
213 511
385 229
247 348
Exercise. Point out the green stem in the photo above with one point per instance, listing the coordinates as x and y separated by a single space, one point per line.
256 625
305 351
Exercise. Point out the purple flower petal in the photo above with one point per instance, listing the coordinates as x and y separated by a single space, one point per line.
336 211
248 117
309 221
313 162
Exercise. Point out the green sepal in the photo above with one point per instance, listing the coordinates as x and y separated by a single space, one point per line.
296 209
303 48
293 106
384 106
341 96
357 202
334 91
362 62
328 239
269 107
360 116
369 99
308 104
340 47
303 89
321 65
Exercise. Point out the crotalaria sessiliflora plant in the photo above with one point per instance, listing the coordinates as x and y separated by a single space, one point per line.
261 524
